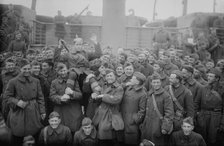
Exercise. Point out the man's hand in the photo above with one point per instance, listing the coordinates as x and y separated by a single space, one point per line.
69 91
65 98
22 104
89 76
99 96
164 131
94 95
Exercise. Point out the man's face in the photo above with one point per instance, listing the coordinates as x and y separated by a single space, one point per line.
197 74
35 70
209 65
166 59
10 66
25 70
186 74
63 72
172 54
39 57
141 57
151 59
121 58
220 65
18 36
191 61
87 129
187 128
102 70
156 67
110 78
63 52
173 79
45 67
156 84
119 70
54 122
211 78
49 54
129 70
30 57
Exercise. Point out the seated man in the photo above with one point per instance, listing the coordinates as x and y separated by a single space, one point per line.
187 136
55 133
87 135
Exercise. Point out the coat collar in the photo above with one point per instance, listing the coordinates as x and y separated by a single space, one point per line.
62 80
23 79
156 92
136 87
58 130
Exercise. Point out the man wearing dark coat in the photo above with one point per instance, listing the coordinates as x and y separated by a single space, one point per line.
24 96
182 99
186 136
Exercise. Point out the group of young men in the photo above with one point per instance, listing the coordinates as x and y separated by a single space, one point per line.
151 97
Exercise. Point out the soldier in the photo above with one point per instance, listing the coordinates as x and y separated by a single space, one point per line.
133 108
17 45
181 97
147 69
199 73
87 134
67 99
26 101
107 118
158 120
7 74
209 108
195 87
55 134
187 136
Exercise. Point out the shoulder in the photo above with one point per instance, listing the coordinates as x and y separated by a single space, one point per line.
65 128
55 81
196 135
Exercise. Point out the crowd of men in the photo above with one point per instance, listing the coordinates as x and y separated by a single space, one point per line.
156 96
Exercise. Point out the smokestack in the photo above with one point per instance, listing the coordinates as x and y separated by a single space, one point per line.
33 5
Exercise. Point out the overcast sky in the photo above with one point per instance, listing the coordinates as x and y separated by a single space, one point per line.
144 8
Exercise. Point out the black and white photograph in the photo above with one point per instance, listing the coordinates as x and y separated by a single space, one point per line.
111 72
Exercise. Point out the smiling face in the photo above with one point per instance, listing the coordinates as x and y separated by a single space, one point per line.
187 128
25 70
156 84
129 70
110 78
10 66
54 122
119 70
35 70
63 72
